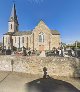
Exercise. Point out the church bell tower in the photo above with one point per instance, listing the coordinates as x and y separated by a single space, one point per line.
13 21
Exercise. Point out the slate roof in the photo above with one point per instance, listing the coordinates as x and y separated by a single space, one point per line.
19 33
22 33
9 33
55 32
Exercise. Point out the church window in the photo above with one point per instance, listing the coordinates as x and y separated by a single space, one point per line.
19 42
11 26
15 39
30 39
41 37
27 42
16 28
22 39
6 39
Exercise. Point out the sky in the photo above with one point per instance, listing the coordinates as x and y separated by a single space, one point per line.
62 15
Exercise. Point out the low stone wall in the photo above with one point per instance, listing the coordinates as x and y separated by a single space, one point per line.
58 66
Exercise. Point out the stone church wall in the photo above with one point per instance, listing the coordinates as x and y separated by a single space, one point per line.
55 41
50 40
58 66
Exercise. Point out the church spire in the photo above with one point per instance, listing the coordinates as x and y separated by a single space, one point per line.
13 21
13 16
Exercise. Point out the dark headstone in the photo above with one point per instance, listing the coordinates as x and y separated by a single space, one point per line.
8 52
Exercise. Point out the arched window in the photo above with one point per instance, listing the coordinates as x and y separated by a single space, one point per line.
27 43
11 26
41 37
15 39
22 39
6 39
16 27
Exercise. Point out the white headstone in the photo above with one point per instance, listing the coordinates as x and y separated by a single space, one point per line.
42 54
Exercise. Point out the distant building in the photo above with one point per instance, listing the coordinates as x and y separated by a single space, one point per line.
40 38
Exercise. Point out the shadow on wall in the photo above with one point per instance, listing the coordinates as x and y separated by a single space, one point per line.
76 73
76 67
48 84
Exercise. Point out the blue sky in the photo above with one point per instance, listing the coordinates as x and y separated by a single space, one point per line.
62 15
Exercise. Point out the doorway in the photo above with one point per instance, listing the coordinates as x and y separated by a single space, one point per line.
41 47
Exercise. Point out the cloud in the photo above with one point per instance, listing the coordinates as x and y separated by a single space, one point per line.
35 1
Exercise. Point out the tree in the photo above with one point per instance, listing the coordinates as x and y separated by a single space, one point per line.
14 48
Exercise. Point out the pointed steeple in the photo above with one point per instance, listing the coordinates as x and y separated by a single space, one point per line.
13 21
13 16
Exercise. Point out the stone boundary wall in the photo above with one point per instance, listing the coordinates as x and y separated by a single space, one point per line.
59 66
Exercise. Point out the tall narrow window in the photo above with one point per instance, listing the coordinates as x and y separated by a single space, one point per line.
33 41
15 39
30 39
16 28
11 26
22 39
6 39
3 42
41 37
27 42
19 42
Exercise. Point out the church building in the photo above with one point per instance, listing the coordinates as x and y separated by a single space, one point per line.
40 38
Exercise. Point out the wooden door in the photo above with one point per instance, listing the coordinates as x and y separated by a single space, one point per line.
41 47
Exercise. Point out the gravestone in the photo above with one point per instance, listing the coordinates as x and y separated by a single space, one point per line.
42 54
